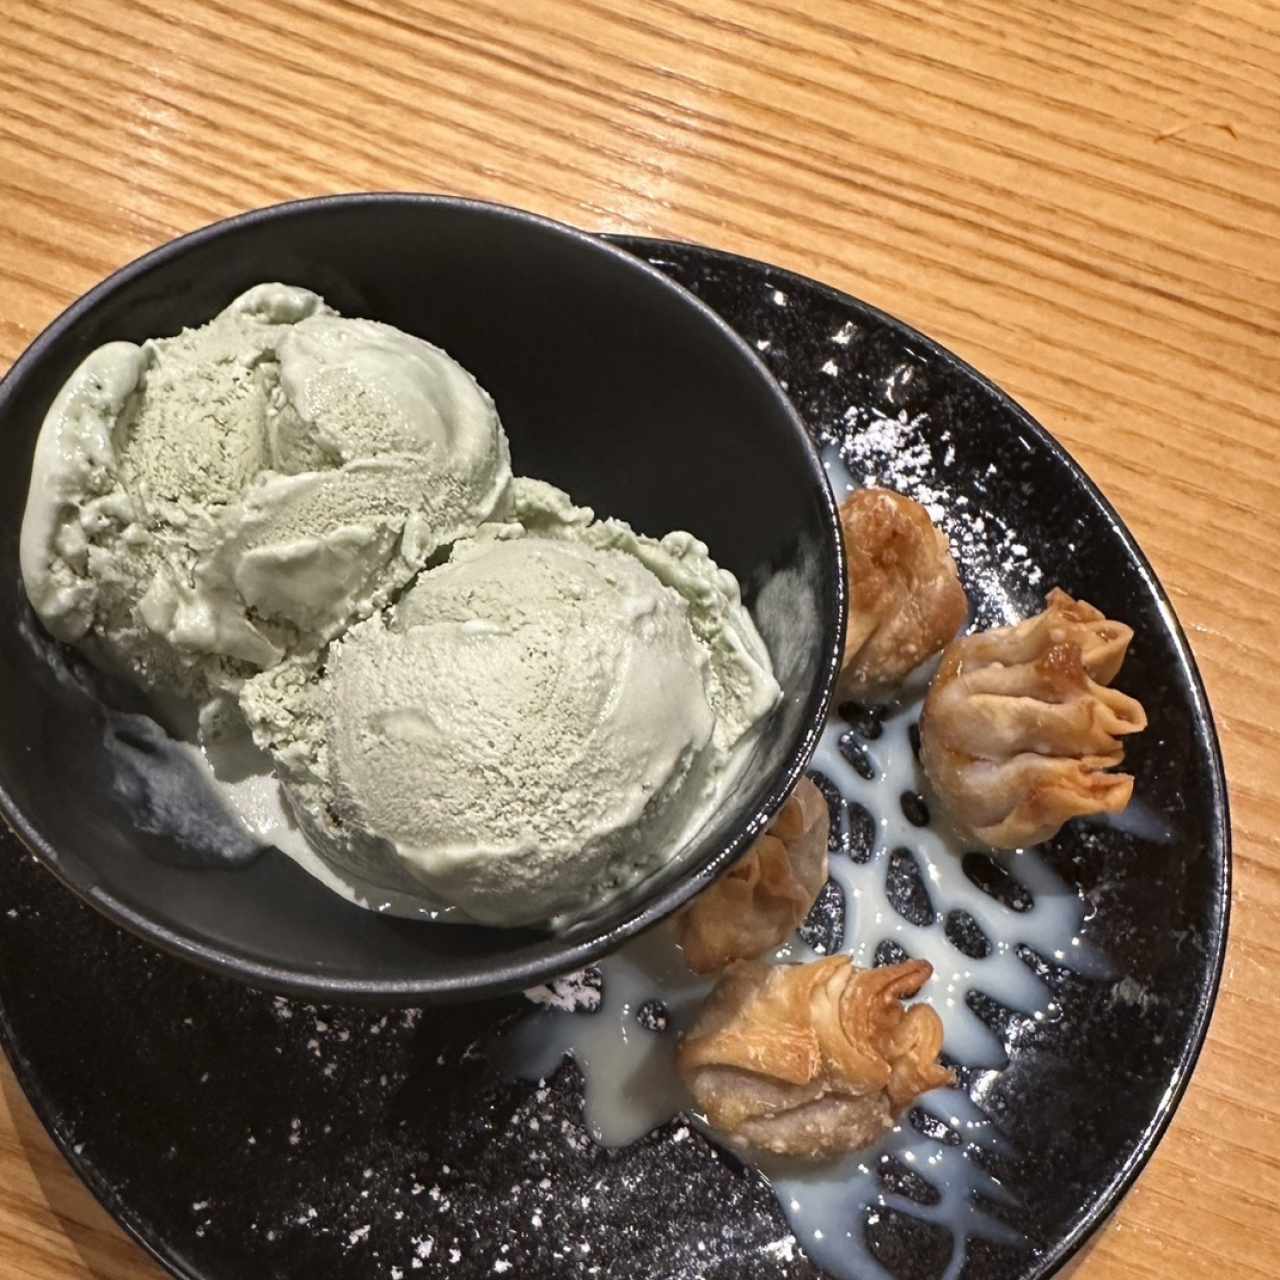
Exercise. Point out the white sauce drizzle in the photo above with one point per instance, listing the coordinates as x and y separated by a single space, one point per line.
631 1085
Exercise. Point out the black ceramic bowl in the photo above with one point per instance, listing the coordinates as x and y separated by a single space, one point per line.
612 381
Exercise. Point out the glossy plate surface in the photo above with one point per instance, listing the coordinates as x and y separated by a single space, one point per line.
238 1134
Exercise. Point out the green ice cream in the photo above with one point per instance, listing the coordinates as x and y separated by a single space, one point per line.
474 692
204 506
537 724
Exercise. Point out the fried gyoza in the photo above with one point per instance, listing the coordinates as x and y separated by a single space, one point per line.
1019 729
811 1060
905 598
761 900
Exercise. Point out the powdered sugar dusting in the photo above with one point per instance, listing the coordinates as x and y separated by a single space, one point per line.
907 454
573 993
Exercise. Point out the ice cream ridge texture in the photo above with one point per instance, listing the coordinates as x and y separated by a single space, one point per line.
471 689
204 505
577 696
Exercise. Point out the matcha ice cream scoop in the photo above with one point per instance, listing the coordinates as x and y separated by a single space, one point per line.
475 694
538 724
206 505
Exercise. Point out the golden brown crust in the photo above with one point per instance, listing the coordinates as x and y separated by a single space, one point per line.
905 597
760 901
811 1060
1020 729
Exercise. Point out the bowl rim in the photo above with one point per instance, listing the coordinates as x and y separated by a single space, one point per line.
548 959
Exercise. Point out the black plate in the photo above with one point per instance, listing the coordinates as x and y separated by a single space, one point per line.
237 1135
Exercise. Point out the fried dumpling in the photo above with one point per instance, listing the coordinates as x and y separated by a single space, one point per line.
1020 731
905 597
811 1060
757 904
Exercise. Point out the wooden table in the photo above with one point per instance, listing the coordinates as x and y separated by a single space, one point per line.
1083 199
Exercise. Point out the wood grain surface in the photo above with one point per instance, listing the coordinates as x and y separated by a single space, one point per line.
1082 198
